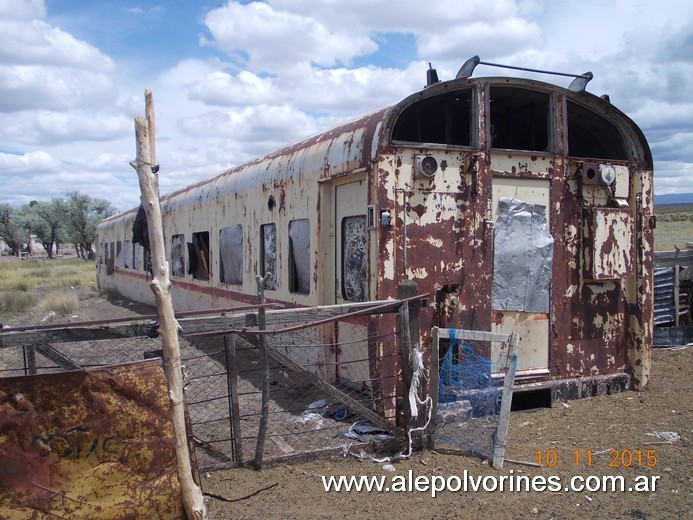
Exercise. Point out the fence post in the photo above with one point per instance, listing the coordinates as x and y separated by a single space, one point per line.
410 341
234 408
677 305
264 359
29 359
160 285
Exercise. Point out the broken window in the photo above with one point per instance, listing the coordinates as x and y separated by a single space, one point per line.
299 256
136 255
110 258
119 261
198 256
268 254
523 256
354 258
519 119
178 255
147 266
231 254
122 259
126 253
441 119
592 136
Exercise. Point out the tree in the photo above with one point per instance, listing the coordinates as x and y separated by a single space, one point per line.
82 214
12 229
45 220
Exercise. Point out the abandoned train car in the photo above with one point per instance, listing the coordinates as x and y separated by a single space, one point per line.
514 203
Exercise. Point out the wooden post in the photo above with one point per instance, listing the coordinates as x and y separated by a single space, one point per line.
264 359
149 114
410 340
29 359
234 407
161 287
506 401
434 388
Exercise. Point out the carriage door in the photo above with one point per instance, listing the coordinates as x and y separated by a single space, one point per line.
522 268
351 280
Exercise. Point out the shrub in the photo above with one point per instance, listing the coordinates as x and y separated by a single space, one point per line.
16 302
61 303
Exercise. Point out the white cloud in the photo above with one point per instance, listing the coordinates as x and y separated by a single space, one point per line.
485 38
38 43
45 68
34 88
31 162
222 89
265 39
275 72
22 9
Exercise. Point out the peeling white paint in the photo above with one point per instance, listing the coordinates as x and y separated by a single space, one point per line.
389 265
419 273
571 291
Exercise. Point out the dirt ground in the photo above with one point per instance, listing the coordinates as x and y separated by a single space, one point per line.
627 421
613 428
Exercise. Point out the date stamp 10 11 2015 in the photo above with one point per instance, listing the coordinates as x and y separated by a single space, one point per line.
587 458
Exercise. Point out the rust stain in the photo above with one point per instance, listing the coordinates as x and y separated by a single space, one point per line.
89 444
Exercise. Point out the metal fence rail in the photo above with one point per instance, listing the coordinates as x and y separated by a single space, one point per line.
255 395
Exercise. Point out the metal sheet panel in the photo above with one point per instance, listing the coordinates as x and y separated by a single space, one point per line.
612 249
532 331
523 254
88 444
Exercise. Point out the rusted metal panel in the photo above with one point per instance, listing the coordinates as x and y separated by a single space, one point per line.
88 444
609 243
532 331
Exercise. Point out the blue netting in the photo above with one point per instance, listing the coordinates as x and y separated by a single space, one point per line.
469 396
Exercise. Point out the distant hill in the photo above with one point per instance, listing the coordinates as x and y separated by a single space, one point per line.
674 198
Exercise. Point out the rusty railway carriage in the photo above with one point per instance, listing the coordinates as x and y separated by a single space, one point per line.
512 202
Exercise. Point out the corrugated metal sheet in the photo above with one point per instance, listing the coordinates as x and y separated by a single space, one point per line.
664 295
665 290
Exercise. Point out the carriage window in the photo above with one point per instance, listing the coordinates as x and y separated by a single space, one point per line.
147 266
122 259
268 254
126 253
519 119
592 136
443 119
354 258
136 255
110 258
178 255
198 256
231 254
299 256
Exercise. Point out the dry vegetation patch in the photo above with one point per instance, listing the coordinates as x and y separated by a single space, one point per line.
674 226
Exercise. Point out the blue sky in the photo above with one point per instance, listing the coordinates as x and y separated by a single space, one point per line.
234 80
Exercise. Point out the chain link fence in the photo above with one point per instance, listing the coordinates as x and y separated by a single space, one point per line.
299 384
264 385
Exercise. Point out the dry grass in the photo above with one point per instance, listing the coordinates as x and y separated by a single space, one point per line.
46 283
674 226
61 303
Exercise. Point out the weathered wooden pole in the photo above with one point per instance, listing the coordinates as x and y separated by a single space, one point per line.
264 359
160 285
410 348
